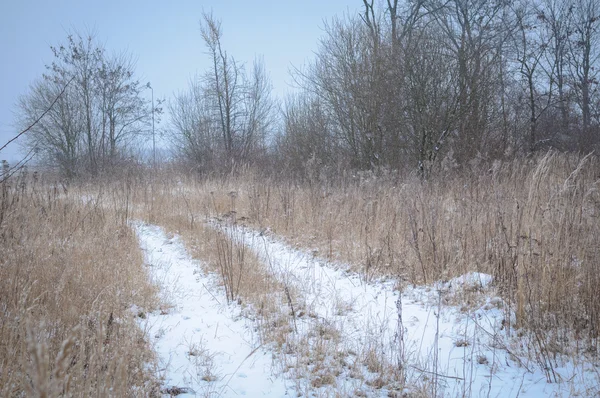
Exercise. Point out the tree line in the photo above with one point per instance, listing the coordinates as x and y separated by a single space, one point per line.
419 83
413 85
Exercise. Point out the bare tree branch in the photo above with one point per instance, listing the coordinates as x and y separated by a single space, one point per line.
36 121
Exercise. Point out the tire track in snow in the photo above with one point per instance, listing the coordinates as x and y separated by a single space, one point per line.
202 344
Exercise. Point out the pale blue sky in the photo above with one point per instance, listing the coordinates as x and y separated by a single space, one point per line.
164 36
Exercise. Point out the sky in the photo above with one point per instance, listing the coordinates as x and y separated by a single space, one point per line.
164 37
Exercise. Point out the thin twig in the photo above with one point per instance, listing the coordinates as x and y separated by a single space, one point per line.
40 117
436 374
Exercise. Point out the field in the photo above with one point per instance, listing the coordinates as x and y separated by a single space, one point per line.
475 283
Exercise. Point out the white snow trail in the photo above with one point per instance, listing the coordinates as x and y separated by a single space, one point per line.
203 346
465 353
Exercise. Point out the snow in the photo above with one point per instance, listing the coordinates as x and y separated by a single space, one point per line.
448 350
465 348
201 342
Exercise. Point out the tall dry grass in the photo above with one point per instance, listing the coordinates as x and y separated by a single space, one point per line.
245 279
532 223
306 347
70 270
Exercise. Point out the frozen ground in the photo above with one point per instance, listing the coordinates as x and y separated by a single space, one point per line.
205 346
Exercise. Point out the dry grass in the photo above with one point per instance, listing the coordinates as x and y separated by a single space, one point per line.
69 273
246 280
532 223
308 347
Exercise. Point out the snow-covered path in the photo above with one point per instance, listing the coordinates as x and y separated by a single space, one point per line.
208 349
203 346
464 352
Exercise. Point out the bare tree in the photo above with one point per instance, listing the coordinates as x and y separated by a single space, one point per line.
226 117
79 59
224 82
584 55
473 30
258 112
307 139
99 114
555 17
124 114
529 50
431 90
349 78
8 171
196 133
57 136
243 105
